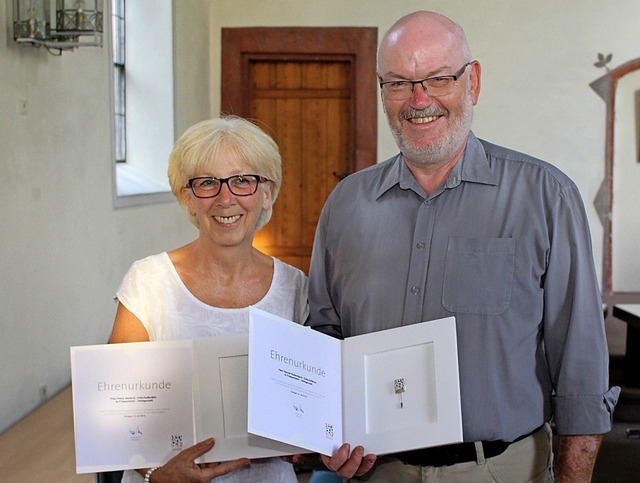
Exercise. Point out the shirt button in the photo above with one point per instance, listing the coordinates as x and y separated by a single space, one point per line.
415 290
420 245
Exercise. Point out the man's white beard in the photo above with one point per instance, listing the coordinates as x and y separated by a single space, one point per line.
436 153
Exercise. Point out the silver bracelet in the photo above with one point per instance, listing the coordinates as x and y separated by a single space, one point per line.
147 476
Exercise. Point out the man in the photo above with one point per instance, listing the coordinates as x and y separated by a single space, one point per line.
458 226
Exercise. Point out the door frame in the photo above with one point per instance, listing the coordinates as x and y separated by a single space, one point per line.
357 45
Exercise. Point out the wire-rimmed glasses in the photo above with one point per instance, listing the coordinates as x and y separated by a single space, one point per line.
435 86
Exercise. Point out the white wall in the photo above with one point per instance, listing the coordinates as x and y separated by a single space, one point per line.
64 249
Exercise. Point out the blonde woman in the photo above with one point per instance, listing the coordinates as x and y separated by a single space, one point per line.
226 173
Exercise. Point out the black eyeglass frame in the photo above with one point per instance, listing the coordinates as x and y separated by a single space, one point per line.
259 179
454 77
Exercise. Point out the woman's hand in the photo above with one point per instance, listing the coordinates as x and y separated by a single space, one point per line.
183 468
349 465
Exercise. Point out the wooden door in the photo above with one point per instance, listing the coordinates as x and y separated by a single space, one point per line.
307 105
310 93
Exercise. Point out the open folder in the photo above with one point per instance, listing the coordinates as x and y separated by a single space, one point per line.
137 405
282 389
389 391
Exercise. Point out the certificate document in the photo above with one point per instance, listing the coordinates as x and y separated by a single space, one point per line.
137 405
389 391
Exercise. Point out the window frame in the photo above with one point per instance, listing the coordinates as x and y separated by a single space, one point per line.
137 178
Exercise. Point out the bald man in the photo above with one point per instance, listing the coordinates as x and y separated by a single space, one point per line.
454 225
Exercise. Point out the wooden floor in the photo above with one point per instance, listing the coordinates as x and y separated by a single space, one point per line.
40 447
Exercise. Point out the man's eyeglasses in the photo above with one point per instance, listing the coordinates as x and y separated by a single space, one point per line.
239 185
436 86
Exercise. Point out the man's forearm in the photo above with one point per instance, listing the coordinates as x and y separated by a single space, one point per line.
576 457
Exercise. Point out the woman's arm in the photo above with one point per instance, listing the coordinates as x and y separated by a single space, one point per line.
127 327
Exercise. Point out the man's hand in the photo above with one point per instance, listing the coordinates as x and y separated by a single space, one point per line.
183 468
576 457
349 465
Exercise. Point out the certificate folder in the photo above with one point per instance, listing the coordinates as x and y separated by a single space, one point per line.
389 391
136 405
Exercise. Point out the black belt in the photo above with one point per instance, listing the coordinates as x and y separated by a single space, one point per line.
452 454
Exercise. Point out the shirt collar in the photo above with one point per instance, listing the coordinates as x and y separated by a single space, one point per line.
473 167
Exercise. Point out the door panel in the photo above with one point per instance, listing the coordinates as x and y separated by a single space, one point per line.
308 103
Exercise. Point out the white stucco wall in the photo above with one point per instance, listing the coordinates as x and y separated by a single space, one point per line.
63 246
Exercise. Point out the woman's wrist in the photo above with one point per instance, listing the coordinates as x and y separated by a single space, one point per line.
147 475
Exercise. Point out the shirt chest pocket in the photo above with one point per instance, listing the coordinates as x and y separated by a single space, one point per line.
478 275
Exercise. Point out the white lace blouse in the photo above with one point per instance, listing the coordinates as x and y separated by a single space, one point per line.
153 291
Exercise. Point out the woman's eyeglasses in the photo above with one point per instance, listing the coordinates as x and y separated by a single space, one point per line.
239 185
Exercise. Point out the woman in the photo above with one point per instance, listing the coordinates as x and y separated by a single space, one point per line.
226 173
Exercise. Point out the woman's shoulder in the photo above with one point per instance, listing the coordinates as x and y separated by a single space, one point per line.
150 265
159 259
288 271
288 294
144 280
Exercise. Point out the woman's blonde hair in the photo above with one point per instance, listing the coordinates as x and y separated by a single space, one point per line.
200 146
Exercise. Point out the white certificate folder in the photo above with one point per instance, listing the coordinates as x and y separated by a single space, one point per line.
389 391
137 405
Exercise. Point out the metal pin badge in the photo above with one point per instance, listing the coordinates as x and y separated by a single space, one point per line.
399 388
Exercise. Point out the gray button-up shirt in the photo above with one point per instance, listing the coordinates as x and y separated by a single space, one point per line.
504 246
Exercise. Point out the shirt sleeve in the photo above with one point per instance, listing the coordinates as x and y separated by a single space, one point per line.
302 303
300 295
133 293
128 294
323 316
574 338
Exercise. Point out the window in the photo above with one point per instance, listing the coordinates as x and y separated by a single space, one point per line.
143 100
119 86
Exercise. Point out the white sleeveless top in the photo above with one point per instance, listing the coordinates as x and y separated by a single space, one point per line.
153 291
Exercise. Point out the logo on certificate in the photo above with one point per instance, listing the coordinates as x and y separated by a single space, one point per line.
135 434
176 441
328 430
